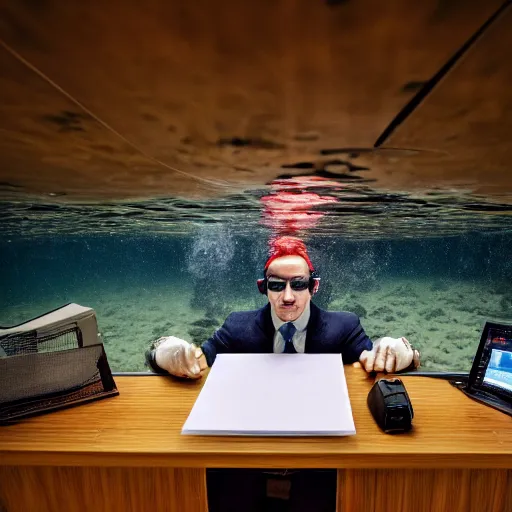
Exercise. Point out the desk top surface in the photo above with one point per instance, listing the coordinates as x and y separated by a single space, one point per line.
142 427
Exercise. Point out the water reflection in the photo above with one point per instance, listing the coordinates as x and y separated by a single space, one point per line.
332 207
288 208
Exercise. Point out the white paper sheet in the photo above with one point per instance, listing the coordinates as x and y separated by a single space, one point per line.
273 394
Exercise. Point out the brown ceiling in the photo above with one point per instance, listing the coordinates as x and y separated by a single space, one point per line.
129 99
467 118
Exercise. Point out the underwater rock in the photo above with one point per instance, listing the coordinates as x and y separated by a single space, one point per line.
478 310
157 332
383 310
506 305
344 304
219 309
368 286
206 322
199 335
405 289
356 308
459 343
163 329
432 314
439 358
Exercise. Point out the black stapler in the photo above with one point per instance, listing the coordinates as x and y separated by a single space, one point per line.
390 406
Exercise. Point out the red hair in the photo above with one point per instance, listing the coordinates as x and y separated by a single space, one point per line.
288 246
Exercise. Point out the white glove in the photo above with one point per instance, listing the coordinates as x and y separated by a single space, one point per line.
179 357
390 355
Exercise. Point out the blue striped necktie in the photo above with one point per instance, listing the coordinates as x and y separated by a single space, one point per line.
287 331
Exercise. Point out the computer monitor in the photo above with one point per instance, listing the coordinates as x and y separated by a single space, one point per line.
490 379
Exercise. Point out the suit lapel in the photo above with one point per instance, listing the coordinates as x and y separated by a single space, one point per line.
266 326
313 330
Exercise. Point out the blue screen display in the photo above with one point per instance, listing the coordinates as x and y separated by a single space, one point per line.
499 370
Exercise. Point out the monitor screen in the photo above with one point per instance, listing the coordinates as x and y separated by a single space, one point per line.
499 369
494 365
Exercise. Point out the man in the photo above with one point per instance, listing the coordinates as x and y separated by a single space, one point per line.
289 323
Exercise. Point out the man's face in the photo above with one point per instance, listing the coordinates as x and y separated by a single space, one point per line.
288 304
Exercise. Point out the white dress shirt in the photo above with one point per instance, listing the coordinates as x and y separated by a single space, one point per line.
299 338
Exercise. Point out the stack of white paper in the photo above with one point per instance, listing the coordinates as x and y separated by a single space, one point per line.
273 394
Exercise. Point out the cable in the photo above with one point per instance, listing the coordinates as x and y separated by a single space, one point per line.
427 88
435 375
16 55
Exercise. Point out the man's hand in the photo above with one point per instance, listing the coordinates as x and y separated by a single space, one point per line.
180 358
390 355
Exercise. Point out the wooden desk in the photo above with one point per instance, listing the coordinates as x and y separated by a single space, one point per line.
127 454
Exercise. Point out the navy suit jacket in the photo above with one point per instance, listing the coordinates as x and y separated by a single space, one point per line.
253 332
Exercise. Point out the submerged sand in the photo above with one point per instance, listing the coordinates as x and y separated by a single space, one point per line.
443 319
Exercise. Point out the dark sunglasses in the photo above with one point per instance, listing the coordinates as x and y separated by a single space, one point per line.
296 285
